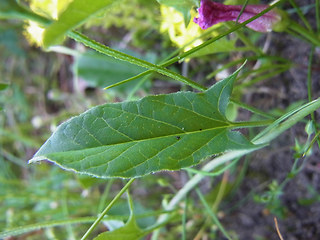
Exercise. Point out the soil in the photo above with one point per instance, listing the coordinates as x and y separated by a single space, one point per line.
300 197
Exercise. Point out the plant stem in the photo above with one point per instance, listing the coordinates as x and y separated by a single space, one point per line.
285 122
309 84
251 124
94 225
133 60
264 137
306 23
251 109
212 214
195 49
309 36
318 15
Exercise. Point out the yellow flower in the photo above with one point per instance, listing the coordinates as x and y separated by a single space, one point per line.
173 23
48 8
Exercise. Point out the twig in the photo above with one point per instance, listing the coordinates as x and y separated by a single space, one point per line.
277 228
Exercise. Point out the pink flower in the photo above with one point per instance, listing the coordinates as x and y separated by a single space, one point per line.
211 13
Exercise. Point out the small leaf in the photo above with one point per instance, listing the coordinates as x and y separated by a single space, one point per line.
3 86
132 139
130 231
76 13
100 71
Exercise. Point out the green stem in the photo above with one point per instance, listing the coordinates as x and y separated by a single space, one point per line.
212 174
261 78
231 30
285 122
252 124
94 225
251 109
212 214
309 77
104 196
264 137
318 15
292 2
241 60
246 40
133 60
203 45
309 36
309 84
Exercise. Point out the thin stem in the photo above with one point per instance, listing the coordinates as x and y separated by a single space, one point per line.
245 40
285 122
263 138
212 214
212 174
251 109
309 78
94 225
252 124
231 30
318 15
105 194
184 220
260 78
195 49
133 60
241 60
306 23
309 36
242 9
221 191
309 84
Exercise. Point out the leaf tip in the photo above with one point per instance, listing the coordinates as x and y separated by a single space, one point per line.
36 159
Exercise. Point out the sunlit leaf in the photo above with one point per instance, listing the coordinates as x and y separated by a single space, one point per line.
76 13
132 139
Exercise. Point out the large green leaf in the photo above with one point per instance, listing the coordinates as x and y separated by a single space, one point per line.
131 139
76 13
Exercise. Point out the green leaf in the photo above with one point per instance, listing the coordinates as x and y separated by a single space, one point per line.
100 71
130 231
3 86
132 139
182 6
76 13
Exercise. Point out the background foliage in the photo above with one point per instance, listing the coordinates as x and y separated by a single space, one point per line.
237 199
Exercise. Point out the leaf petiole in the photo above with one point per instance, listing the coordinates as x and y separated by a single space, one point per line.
97 221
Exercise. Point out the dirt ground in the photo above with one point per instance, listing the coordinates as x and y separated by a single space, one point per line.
300 198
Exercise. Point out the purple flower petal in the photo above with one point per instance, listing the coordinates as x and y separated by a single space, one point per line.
211 13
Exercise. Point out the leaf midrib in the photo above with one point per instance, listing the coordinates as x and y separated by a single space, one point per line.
229 126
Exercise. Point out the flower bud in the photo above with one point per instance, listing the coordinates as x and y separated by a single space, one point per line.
211 13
